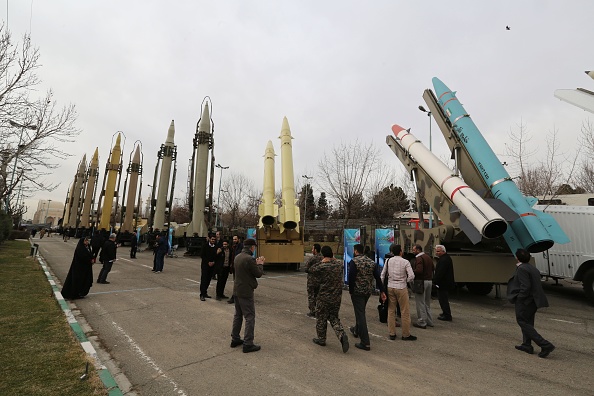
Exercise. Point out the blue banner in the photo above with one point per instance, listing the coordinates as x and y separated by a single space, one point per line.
352 236
384 237
252 234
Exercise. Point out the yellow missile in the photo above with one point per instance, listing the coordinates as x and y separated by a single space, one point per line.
268 210
132 188
113 171
93 173
289 212
204 138
68 201
77 192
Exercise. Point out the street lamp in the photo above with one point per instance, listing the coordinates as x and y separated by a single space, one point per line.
308 178
16 156
219 195
19 195
430 149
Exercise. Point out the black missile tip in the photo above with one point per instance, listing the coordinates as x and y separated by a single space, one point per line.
587 71
507 28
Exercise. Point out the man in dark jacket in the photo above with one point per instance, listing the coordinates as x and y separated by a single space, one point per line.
423 269
97 242
107 257
526 292
247 269
133 245
226 257
362 272
444 281
209 256
161 249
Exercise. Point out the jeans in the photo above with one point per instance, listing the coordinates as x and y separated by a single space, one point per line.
423 304
159 261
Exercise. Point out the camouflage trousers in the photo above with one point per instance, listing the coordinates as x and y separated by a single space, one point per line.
312 294
325 314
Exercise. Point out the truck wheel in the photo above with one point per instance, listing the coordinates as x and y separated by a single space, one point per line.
482 289
588 284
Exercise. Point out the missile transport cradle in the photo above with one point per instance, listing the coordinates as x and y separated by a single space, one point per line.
482 215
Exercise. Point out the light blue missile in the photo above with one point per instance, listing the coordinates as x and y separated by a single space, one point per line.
532 229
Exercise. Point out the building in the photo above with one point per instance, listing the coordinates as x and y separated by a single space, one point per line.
48 212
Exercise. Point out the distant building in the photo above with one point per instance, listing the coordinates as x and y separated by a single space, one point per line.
48 212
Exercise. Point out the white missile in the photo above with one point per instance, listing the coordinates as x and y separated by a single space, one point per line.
167 152
480 214
289 212
203 138
268 210
590 73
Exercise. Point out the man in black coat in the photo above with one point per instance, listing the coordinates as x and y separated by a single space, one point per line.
209 257
526 292
443 279
107 257
133 245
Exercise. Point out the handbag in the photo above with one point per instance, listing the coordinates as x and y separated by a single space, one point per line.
418 286
382 309
386 277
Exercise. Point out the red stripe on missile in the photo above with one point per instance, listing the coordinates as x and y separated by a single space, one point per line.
449 100
527 214
456 190
446 92
396 129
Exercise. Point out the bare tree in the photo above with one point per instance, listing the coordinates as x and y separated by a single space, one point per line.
585 174
239 200
30 128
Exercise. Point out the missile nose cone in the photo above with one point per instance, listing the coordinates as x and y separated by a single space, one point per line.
136 158
285 129
204 124
269 149
396 129
439 86
118 140
170 132
96 155
590 73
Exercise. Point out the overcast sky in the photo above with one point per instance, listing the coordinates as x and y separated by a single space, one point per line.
339 70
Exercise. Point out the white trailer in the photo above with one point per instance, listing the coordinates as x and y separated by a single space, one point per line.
574 260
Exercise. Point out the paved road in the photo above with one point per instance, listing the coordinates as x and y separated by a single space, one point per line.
167 342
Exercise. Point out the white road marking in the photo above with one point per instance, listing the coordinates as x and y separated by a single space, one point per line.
192 280
566 321
136 348
125 290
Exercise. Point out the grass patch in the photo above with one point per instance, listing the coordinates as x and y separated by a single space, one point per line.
39 354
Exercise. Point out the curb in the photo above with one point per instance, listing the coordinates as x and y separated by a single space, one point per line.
104 374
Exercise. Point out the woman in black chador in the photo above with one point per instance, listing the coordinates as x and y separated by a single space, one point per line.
80 276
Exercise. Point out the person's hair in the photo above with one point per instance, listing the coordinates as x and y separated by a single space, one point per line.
317 247
419 247
249 242
327 251
523 256
441 247
367 249
395 249
358 248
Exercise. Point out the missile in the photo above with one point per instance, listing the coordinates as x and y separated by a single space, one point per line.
134 171
531 229
67 206
113 168
92 174
482 216
590 73
289 212
268 210
203 138
166 153
77 192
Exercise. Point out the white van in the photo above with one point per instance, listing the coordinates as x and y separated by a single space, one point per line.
574 260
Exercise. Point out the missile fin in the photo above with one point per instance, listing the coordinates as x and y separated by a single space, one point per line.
531 201
469 230
552 227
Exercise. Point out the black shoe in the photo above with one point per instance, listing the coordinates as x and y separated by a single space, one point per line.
525 348
319 342
214 277
224 296
393 337
546 350
344 340
202 298
419 326
231 301
251 348
237 343
362 346
446 318
409 338
104 282
354 332
218 298
311 314
207 296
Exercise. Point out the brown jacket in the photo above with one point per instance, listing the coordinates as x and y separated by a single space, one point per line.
423 268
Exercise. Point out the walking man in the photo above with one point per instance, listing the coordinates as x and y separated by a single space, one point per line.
312 287
423 270
247 270
329 275
362 272
444 281
525 291
107 257
133 245
399 272
160 252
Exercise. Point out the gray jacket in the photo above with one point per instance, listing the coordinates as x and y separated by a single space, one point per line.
246 272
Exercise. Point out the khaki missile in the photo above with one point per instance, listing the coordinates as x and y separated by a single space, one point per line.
203 137
92 174
67 206
289 212
134 171
268 210
114 168
167 150
77 193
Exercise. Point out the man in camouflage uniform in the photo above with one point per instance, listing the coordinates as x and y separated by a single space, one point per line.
312 286
362 271
328 274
